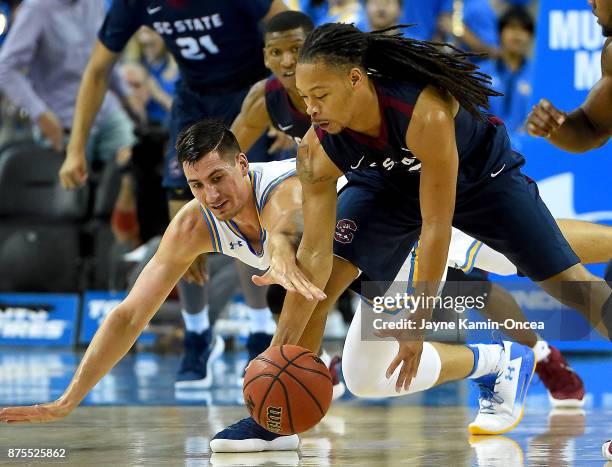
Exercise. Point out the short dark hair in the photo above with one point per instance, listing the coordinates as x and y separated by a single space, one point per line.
519 15
204 137
288 20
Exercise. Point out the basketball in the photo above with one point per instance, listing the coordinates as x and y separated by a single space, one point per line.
287 389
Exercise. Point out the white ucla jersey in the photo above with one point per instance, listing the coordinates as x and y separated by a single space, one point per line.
226 236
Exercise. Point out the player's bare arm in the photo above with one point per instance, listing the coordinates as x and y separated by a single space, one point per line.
318 177
431 138
94 85
186 238
253 118
585 128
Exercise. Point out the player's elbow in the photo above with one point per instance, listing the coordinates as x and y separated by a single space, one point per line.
126 318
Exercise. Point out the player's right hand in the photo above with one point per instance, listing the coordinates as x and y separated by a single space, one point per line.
544 119
287 274
197 274
39 413
73 172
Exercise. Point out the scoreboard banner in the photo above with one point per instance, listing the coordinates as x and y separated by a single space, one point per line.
38 319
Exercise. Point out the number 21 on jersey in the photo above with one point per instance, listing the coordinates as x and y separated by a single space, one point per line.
196 49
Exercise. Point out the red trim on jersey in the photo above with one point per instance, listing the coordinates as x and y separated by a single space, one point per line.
273 84
495 120
396 104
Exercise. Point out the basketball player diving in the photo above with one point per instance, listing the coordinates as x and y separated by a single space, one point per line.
236 230
439 161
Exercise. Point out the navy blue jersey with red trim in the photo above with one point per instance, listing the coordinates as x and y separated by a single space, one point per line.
282 112
483 145
215 42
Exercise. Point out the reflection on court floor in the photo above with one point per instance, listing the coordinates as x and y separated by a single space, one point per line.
428 429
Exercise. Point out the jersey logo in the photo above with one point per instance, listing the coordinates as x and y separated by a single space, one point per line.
285 128
153 10
356 166
344 231
236 244
495 174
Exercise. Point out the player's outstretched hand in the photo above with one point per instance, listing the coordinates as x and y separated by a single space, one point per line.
197 274
39 413
544 119
287 274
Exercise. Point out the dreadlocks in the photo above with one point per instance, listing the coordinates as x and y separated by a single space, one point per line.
395 57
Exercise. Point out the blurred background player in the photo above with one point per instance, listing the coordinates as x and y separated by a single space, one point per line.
217 67
587 127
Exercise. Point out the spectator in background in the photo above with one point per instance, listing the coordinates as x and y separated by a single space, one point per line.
511 72
424 15
41 63
163 74
382 14
331 11
470 25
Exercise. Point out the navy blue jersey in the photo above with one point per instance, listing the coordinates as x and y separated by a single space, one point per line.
483 146
216 43
282 112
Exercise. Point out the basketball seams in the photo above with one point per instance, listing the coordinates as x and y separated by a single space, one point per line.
275 378
311 370
304 387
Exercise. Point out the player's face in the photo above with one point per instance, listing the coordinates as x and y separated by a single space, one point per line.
515 38
219 185
603 10
383 13
281 53
327 93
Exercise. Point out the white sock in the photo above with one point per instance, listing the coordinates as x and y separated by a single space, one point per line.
541 350
260 320
197 322
486 359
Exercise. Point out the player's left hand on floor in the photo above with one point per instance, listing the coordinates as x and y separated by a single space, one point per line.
39 413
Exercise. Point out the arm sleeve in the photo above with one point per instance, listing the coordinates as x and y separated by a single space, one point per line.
17 54
123 19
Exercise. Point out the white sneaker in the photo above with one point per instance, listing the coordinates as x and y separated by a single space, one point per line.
502 394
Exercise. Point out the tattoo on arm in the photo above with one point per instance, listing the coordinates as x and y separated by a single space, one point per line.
305 166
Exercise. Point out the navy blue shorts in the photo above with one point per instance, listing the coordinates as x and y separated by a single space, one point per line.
188 107
378 223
